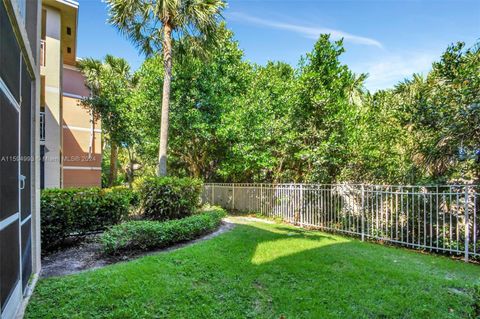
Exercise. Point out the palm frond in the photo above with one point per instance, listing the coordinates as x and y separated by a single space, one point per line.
142 21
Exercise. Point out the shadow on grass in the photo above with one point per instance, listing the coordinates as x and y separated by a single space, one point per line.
266 271
304 233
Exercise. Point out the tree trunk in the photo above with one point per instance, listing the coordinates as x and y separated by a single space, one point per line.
130 170
113 163
167 79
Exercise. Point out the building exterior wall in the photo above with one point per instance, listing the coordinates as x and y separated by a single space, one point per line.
72 142
51 72
82 147
19 145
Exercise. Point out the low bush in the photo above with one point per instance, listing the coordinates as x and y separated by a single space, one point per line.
128 194
147 235
165 198
476 300
79 211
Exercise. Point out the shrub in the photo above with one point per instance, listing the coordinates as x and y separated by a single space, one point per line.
165 198
78 211
476 300
129 194
147 235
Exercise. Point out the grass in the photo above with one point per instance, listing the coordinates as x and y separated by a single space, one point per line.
260 270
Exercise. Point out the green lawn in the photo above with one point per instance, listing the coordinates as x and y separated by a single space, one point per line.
260 270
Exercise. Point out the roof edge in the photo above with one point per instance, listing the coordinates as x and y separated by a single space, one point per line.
71 3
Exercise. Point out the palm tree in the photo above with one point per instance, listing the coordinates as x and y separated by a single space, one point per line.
98 75
91 69
152 25
356 91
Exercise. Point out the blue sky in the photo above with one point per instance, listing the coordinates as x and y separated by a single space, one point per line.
388 39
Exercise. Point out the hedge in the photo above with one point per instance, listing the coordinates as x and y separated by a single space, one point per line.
79 211
147 235
165 198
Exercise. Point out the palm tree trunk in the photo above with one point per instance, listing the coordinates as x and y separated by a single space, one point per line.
113 163
130 170
167 79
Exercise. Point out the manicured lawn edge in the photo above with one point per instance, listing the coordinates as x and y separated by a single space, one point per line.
149 235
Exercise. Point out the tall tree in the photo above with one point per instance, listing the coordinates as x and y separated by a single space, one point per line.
258 128
204 90
152 25
324 112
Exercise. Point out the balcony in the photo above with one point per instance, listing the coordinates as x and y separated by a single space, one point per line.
42 126
43 51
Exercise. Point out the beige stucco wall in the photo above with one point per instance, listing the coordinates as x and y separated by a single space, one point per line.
82 178
72 141
36 231
74 82
82 146
53 102
74 114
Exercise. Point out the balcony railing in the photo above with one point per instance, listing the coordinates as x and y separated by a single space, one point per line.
42 126
43 51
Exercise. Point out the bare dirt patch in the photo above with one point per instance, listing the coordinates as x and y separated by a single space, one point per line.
88 255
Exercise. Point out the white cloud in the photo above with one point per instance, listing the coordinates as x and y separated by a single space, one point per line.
387 71
309 32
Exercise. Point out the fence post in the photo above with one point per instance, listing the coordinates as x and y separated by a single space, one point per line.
467 225
301 205
213 194
363 212
262 210
233 196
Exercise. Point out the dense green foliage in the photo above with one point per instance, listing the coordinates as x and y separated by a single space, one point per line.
237 122
152 26
109 81
416 131
77 212
233 121
263 270
202 92
164 198
147 235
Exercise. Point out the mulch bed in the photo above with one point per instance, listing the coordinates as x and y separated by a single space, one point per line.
87 255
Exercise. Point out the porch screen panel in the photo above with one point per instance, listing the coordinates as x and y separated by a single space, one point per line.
8 158
9 198
9 54
9 261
